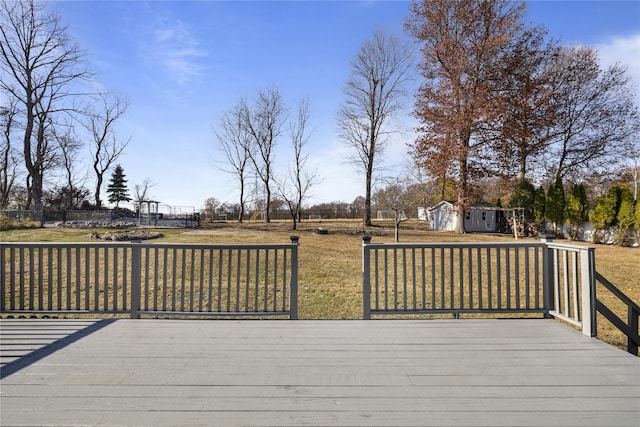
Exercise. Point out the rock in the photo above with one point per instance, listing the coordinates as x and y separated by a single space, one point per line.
125 236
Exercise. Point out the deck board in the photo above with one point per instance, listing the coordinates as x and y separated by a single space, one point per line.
381 372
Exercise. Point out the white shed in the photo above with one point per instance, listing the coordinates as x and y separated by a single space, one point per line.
481 217
442 216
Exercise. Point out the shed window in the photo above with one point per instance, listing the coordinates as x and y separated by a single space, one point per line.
484 216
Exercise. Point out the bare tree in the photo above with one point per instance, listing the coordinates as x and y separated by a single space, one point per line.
374 94
302 178
428 191
106 147
8 155
524 130
264 122
40 65
293 189
141 191
69 148
398 198
597 114
234 142
210 207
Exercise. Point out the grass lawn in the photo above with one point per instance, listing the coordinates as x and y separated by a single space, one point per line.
330 264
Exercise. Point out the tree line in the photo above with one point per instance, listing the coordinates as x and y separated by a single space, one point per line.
500 103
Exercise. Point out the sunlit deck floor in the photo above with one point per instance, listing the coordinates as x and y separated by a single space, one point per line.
382 372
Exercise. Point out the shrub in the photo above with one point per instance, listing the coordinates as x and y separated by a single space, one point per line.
7 223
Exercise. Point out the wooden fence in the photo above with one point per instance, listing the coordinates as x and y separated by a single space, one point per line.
458 278
151 279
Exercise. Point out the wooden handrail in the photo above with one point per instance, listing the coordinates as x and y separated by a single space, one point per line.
137 278
630 328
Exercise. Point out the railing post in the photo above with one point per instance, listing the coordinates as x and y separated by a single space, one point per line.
548 279
136 278
3 291
293 292
366 277
632 321
588 283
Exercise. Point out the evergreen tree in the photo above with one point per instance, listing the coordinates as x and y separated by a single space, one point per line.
117 188
523 197
554 209
577 209
604 215
625 215
539 202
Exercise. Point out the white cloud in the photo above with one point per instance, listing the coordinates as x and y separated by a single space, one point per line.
626 51
177 50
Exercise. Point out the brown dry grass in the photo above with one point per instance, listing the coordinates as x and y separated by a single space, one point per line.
330 264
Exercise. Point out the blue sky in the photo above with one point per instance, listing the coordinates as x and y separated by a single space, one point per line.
181 63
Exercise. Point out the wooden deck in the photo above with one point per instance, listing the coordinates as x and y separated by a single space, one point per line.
381 372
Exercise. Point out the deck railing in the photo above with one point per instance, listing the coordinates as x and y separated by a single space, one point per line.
628 328
148 278
458 278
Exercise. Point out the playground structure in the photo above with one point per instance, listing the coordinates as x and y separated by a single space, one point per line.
156 214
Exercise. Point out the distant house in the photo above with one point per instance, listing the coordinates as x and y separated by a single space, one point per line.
481 217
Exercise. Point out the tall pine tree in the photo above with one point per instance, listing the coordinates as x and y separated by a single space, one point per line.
523 197
117 188
577 209
554 209
625 217
604 215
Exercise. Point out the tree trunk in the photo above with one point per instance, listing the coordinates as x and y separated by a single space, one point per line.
460 220
463 188
97 193
367 198
241 214
267 211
